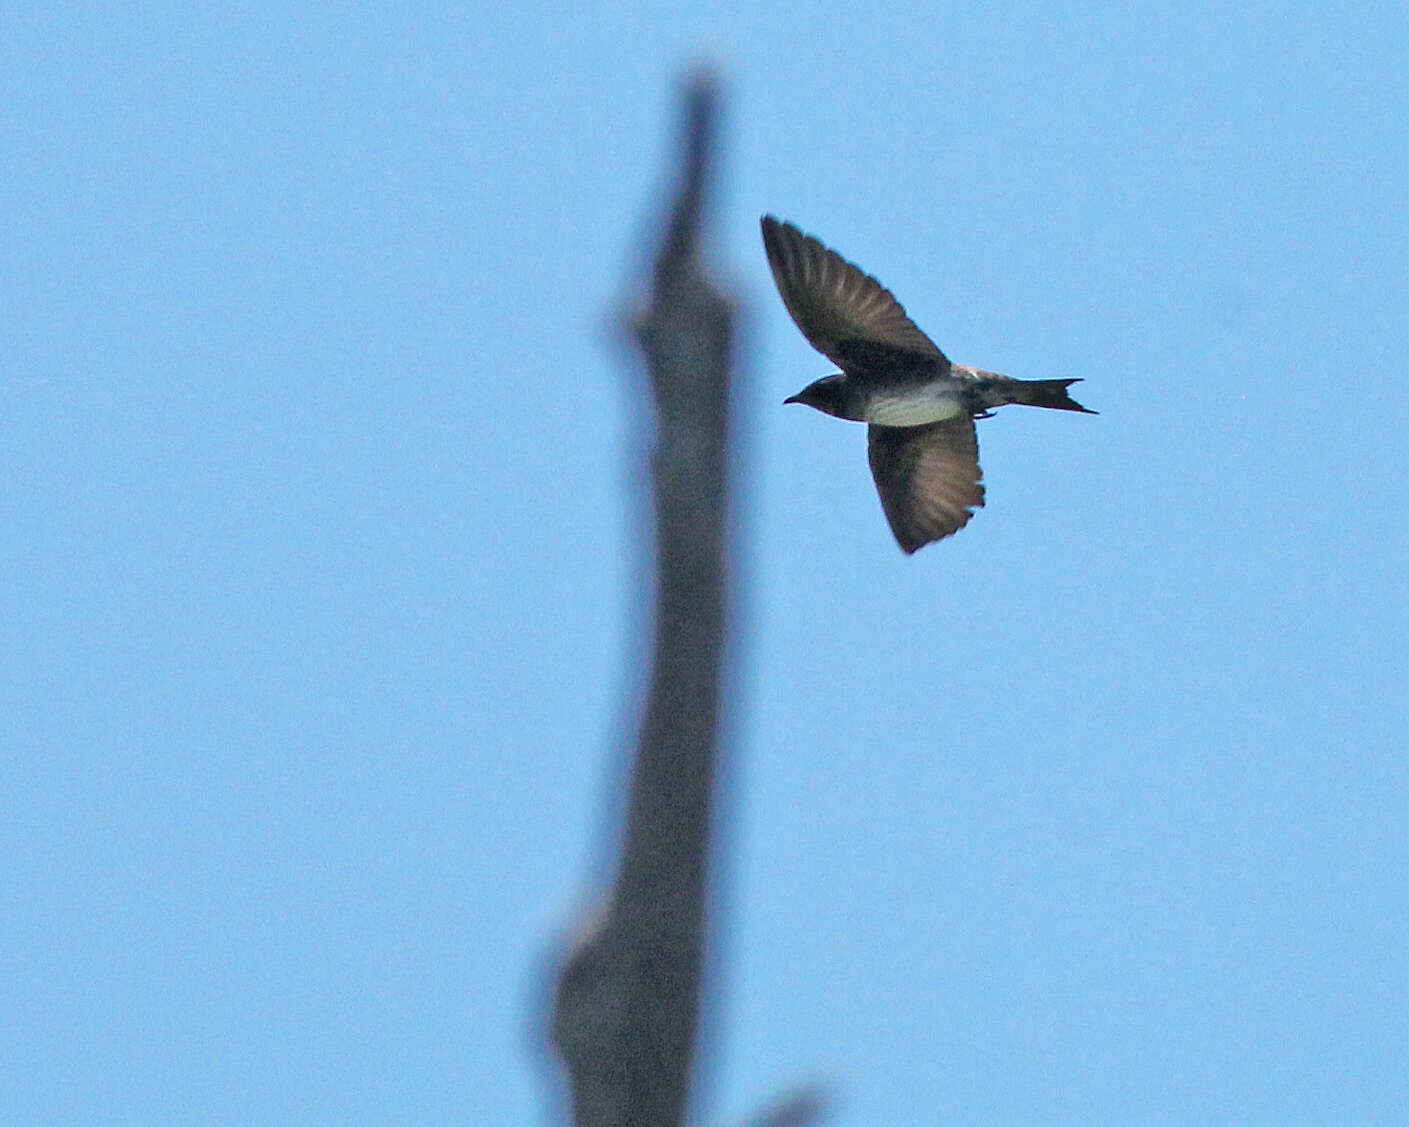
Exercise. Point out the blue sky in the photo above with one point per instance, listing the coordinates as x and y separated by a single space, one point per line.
321 582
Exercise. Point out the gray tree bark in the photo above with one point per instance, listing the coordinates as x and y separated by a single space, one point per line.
627 1002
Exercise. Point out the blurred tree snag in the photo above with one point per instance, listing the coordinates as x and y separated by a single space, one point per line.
628 999
627 1005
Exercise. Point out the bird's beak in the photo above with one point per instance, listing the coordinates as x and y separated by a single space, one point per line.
792 399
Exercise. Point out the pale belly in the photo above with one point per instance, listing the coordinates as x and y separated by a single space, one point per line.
914 410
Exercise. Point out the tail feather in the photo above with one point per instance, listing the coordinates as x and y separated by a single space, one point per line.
1045 393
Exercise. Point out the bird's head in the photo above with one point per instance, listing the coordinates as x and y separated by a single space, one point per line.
832 395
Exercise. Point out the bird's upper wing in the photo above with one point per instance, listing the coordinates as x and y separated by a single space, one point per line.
928 478
843 312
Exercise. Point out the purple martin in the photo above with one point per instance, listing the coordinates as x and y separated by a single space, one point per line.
920 407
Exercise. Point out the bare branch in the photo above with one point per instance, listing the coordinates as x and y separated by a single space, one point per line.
801 1108
628 999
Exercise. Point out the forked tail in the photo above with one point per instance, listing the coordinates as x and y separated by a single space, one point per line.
1045 393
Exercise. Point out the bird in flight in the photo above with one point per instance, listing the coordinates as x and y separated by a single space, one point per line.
920 407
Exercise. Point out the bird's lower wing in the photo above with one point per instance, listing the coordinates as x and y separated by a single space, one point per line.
928 478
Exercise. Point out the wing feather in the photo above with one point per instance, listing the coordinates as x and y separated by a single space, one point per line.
843 312
928 478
